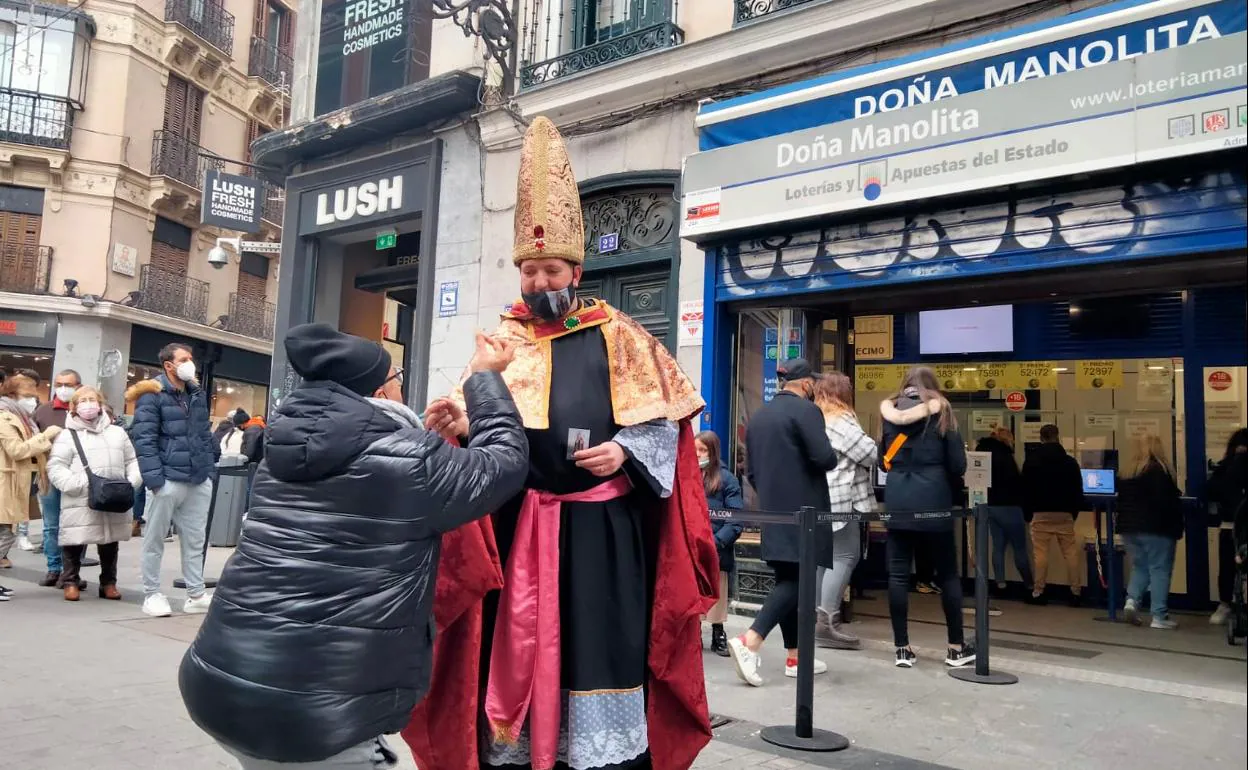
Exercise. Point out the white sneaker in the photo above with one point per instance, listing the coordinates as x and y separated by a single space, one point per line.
1163 624
790 669
748 663
197 606
157 606
1131 612
24 543
1220 615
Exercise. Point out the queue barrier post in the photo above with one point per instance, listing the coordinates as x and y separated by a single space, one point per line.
802 735
982 673
228 470
1109 563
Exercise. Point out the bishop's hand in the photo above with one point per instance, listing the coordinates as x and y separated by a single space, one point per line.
603 460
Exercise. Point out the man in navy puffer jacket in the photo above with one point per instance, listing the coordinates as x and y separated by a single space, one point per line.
320 636
173 440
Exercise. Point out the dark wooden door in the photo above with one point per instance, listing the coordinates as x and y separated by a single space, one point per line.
647 295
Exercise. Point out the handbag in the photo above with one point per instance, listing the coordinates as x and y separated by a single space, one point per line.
106 495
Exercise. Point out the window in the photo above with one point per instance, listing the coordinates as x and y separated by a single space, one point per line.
274 23
228 395
184 105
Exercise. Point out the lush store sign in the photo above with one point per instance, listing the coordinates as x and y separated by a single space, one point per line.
1178 102
368 48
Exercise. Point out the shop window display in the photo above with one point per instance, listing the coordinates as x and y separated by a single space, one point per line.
228 395
12 361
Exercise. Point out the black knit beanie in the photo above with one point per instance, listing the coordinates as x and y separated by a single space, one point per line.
321 352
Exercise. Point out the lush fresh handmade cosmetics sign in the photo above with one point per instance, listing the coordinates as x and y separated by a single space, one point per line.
1176 102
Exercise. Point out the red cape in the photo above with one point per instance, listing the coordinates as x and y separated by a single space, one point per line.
443 731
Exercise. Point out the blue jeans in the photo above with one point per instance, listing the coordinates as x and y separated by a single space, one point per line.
1008 527
50 506
1152 561
140 502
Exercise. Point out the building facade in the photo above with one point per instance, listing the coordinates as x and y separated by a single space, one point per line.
113 114
1053 218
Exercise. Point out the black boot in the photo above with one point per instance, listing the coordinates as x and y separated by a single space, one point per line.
51 580
719 641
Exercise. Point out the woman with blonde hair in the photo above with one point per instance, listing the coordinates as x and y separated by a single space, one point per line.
91 440
925 458
23 457
1150 520
850 490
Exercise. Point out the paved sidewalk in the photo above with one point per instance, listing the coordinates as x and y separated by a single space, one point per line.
93 685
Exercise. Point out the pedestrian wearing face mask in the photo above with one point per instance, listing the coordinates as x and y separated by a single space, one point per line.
90 440
53 413
23 457
723 491
172 437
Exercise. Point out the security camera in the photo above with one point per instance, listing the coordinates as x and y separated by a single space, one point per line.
218 257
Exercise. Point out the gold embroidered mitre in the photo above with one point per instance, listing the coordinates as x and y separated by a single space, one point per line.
548 202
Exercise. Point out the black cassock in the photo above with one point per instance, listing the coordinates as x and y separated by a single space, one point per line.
605 567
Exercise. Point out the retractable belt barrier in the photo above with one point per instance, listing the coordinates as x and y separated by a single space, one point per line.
218 471
803 736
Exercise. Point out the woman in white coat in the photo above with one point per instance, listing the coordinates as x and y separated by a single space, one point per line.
110 455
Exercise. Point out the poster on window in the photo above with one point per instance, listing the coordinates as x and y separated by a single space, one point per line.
368 48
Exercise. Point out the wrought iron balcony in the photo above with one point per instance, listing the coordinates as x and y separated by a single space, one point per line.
206 19
25 269
251 317
273 207
172 294
35 119
270 63
179 158
749 10
600 32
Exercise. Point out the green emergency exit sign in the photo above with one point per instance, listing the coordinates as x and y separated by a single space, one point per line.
386 240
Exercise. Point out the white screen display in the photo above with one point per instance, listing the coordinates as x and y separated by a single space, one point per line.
988 329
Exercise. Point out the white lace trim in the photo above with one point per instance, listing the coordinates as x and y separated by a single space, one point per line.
597 729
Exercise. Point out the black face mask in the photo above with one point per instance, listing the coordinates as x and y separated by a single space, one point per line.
551 305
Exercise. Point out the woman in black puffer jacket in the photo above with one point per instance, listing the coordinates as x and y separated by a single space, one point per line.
723 491
1150 520
319 637
925 459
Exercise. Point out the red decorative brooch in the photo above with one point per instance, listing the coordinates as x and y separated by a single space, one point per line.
539 238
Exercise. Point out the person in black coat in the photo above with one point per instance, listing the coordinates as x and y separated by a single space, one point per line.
925 458
723 492
1052 497
1225 492
788 456
1150 520
1006 520
321 636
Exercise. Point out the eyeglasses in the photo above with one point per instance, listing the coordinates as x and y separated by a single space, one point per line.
398 375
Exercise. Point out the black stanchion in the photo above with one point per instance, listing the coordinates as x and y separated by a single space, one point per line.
802 735
1109 563
981 674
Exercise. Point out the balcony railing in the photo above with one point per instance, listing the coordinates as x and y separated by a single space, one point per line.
270 63
173 294
206 19
251 317
748 10
35 119
273 207
601 32
25 269
179 158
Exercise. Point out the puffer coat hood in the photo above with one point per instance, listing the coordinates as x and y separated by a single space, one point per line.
927 469
111 456
320 633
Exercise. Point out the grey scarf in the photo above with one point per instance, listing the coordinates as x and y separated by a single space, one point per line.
400 413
